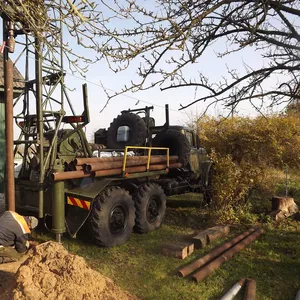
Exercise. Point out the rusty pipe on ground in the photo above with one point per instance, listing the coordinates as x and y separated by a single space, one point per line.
234 290
250 291
97 166
216 263
82 174
89 160
212 254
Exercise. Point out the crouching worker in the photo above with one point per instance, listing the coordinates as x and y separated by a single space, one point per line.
14 234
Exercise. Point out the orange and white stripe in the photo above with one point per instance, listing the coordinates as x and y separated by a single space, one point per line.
21 221
77 202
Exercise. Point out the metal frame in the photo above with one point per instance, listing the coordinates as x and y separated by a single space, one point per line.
47 94
149 149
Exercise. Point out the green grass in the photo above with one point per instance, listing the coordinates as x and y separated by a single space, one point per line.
139 267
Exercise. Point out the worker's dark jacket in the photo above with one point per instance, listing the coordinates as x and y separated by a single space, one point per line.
14 231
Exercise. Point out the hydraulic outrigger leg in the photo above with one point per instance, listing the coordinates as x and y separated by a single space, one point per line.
58 205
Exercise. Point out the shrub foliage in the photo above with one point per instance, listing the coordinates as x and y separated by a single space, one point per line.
272 141
243 149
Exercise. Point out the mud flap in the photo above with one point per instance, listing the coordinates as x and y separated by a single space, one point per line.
206 169
78 210
75 219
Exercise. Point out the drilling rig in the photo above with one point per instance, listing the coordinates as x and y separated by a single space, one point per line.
60 176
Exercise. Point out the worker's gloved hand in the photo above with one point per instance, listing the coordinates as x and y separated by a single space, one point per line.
32 244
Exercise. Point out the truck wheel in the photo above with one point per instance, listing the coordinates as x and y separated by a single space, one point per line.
112 217
150 207
176 142
137 131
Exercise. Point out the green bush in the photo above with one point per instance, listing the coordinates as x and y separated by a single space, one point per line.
231 185
250 154
273 141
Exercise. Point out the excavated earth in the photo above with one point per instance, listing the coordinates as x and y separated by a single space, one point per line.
51 272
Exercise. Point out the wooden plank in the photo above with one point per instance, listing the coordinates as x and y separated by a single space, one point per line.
200 240
203 238
179 250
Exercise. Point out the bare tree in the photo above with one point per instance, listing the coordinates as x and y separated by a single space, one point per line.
169 35
79 21
191 27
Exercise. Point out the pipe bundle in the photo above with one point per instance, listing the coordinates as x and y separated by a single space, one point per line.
109 166
214 259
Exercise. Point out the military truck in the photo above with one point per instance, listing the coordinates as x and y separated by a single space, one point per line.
117 184
60 179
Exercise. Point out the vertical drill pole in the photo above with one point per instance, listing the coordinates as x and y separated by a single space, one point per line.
40 125
58 205
9 125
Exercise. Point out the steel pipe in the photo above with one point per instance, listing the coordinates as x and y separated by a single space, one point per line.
97 166
40 121
212 254
234 290
298 296
70 175
89 160
250 291
137 169
216 263
9 133
81 174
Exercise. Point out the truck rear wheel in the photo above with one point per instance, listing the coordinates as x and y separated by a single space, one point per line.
150 207
112 217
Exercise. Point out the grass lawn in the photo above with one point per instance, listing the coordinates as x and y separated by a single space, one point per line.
139 267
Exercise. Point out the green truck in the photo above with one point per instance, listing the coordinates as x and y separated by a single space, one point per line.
116 185
67 180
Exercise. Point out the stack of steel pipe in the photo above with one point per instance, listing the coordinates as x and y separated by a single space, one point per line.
109 166
214 259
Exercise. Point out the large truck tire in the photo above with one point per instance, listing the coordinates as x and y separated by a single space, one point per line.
176 142
112 217
137 135
150 207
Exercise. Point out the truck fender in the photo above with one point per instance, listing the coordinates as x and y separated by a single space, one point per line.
80 203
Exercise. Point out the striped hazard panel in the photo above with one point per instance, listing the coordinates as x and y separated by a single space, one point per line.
80 203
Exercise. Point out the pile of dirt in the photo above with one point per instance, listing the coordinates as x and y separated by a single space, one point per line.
51 272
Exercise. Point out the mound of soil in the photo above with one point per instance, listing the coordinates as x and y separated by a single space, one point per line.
51 272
